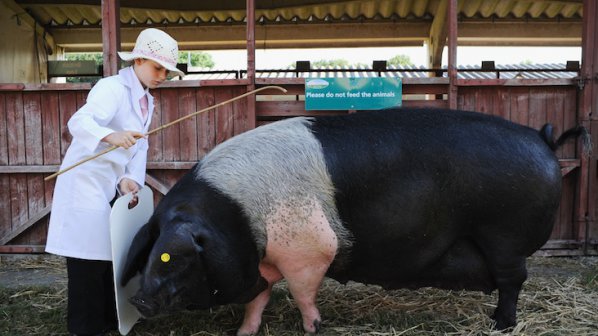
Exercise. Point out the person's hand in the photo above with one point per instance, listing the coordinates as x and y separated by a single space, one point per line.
124 139
126 186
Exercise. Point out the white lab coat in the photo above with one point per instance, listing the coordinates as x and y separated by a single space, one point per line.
79 221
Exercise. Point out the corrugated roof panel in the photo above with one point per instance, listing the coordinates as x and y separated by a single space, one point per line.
402 8
369 9
503 8
488 8
571 10
466 72
553 9
521 8
470 8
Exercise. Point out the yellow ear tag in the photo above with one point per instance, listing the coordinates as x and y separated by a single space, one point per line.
165 257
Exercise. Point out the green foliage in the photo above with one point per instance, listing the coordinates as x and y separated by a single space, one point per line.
97 57
403 60
330 63
198 59
526 62
400 59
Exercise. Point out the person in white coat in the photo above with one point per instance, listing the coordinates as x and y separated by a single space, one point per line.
117 112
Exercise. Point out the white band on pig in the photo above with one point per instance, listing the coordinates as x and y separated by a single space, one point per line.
279 163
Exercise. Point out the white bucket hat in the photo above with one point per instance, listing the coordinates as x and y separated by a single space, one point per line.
155 45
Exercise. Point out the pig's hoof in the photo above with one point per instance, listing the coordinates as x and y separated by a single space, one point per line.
316 327
246 332
503 323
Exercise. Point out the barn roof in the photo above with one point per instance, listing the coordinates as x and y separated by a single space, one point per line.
205 25
88 12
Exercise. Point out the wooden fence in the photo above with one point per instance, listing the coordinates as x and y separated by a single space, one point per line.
34 138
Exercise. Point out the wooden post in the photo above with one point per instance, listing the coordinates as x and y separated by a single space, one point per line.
251 106
452 53
110 35
587 197
452 56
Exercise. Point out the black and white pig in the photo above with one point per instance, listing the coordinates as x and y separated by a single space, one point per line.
401 198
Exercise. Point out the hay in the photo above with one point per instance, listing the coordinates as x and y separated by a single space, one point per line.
48 262
560 298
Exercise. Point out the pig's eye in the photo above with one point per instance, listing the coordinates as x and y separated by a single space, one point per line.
165 257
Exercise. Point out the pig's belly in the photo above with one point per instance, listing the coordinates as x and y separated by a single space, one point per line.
462 265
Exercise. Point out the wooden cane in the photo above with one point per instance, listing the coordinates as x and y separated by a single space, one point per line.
107 150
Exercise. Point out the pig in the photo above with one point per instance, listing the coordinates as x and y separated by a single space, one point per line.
401 198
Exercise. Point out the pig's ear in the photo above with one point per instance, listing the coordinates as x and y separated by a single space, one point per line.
138 252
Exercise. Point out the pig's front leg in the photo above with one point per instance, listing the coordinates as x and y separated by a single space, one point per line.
254 309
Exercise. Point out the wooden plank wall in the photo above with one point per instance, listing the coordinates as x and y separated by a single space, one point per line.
176 149
534 107
34 138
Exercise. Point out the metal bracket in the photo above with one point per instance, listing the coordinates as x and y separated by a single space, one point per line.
581 82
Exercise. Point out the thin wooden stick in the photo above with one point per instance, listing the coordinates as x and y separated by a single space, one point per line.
107 150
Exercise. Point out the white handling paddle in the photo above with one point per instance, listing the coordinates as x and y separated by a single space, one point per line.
124 224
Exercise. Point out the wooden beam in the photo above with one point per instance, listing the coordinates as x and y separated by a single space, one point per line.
110 35
301 81
159 186
12 87
306 35
251 109
23 249
519 33
589 62
57 87
250 35
585 208
49 169
438 35
177 165
21 228
452 53
516 82
29 169
214 37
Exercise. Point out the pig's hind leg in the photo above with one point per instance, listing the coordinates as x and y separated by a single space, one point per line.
302 245
303 285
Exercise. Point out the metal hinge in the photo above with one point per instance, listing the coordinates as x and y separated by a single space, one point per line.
581 82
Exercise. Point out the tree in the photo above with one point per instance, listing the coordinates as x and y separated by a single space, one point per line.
330 63
341 63
97 57
526 62
401 59
198 59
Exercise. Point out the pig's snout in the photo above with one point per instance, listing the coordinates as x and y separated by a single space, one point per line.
147 307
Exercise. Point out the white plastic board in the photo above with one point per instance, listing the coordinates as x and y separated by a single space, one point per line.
124 224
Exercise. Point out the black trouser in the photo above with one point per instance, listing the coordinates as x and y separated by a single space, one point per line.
91 303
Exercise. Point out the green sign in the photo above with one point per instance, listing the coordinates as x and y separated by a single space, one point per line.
72 68
352 93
